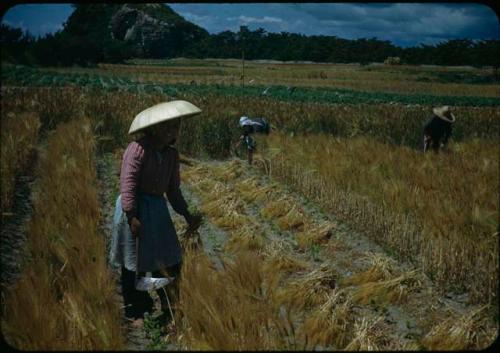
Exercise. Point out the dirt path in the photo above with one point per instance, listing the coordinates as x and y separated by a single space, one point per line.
151 336
109 182
385 296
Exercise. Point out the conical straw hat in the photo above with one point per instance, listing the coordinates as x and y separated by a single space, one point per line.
163 112
441 112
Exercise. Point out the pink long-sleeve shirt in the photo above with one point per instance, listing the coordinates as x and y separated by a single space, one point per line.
146 170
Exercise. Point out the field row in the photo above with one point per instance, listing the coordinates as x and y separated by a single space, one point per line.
213 134
290 279
438 211
64 299
34 77
19 138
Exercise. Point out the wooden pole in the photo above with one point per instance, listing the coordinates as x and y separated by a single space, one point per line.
243 68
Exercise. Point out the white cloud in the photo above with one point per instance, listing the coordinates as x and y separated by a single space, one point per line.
247 20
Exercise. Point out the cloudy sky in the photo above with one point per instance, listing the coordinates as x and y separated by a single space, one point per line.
404 24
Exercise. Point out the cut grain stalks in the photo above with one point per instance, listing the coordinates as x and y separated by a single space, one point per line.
309 289
382 268
277 208
315 235
332 323
294 219
245 238
229 172
467 332
387 291
251 191
370 334
285 263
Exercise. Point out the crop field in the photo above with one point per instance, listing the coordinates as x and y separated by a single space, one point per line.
342 235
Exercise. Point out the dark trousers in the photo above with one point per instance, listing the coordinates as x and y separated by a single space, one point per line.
138 302
433 143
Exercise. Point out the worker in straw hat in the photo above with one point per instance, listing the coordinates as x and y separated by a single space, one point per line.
149 172
438 129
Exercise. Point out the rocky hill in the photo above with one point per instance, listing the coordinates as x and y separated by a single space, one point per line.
150 30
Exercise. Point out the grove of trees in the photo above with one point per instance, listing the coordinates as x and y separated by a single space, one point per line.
81 44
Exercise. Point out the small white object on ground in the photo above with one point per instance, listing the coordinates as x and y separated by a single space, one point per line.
151 283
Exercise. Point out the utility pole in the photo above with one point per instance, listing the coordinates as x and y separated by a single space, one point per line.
243 68
242 39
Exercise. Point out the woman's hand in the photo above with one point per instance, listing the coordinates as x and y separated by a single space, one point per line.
135 226
194 222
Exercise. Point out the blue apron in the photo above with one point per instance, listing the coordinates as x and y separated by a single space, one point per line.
158 243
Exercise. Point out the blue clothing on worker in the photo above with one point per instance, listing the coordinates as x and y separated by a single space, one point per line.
159 246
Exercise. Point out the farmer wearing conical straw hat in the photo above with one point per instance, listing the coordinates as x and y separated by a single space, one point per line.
438 129
149 172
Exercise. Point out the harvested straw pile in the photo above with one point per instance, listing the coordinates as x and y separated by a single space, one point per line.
294 219
332 323
245 238
315 235
382 268
309 289
461 333
370 334
392 290
277 208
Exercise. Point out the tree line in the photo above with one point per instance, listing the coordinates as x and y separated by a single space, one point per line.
89 46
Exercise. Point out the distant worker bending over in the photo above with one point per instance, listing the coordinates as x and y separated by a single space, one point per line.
249 126
438 129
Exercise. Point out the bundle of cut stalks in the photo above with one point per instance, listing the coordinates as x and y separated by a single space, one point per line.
193 174
293 219
285 263
382 268
251 191
310 289
245 238
332 323
225 173
461 333
315 235
392 290
277 208
369 335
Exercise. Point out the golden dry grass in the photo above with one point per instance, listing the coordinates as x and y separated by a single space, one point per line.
251 191
19 136
382 268
232 308
382 79
332 323
315 235
65 298
438 211
369 335
276 208
309 289
466 332
245 238
394 290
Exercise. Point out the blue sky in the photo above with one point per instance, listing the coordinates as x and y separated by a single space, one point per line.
405 24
